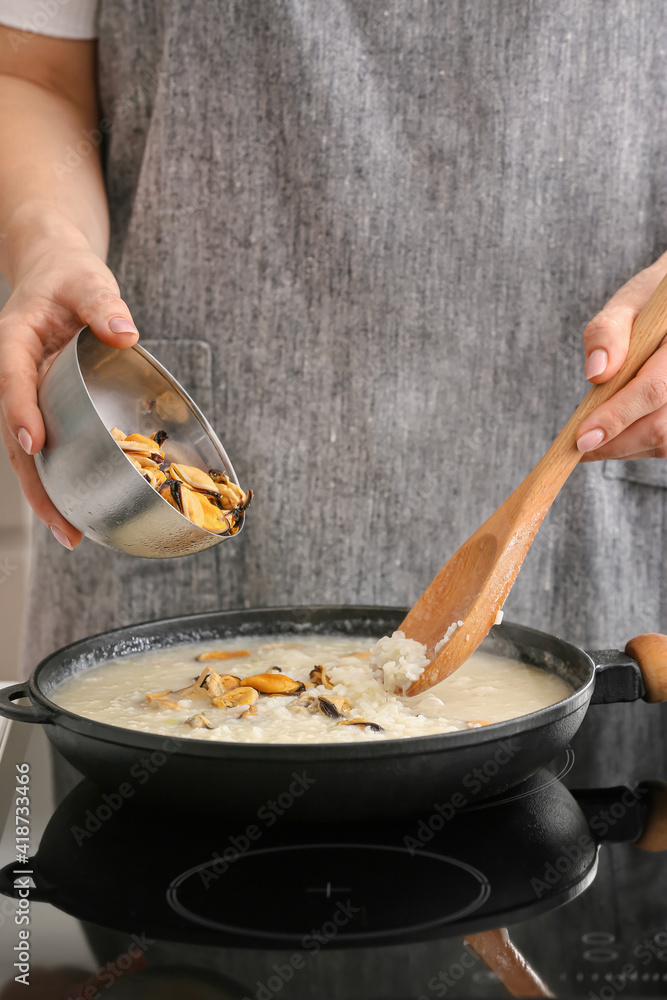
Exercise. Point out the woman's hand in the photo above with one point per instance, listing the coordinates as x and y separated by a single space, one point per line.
633 423
54 230
59 290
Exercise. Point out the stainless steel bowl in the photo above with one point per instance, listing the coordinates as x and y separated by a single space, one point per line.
91 388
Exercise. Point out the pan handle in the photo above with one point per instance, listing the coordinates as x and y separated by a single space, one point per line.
650 652
21 713
654 834
640 672
617 677
622 815
11 872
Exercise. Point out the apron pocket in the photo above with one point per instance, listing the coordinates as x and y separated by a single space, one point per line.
644 471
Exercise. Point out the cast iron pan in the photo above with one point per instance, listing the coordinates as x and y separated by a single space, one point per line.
321 781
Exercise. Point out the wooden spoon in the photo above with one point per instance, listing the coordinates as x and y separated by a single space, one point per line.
473 585
500 955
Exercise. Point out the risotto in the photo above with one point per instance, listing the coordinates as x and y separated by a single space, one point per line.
318 689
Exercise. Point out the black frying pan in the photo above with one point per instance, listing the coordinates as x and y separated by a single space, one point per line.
318 781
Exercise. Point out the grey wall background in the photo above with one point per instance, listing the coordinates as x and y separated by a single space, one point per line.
14 552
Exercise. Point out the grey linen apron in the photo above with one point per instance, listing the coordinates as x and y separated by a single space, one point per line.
367 237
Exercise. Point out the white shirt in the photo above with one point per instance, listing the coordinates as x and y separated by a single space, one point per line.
59 18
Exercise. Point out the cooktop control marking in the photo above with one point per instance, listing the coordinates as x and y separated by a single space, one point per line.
379 875
328 889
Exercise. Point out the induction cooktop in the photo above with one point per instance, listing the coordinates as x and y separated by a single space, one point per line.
127 901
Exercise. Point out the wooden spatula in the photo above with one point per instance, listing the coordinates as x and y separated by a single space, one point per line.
473 585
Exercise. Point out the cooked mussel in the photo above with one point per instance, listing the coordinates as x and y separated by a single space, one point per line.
373 726
224 654
198 722
161 699
334 707
196 478
210 500
318 675
274 684
238 696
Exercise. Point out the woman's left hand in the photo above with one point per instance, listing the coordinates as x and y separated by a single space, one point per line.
633 423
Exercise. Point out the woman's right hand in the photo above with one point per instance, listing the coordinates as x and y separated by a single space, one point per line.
59 291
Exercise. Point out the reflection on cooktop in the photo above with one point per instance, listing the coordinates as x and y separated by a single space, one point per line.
378 877
397 880
185 905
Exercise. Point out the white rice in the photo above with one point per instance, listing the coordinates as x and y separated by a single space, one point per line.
372 676
447 636
398 661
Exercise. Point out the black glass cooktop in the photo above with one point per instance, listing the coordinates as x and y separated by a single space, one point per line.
550 888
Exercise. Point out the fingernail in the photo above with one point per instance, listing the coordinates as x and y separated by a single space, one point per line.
61 537
121 325
25 440
596 363
590 440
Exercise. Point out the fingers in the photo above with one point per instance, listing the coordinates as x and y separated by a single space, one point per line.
634 420
24 467
100 307
41 316
632 423
91 299
20 350
646 438
607 336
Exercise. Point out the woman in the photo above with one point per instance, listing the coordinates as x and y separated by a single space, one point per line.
367 238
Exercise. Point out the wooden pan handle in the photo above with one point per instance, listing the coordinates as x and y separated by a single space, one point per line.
650 652
654 837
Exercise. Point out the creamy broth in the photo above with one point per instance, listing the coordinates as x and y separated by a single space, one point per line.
486 689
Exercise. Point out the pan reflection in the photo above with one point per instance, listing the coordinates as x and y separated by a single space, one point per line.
376 909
